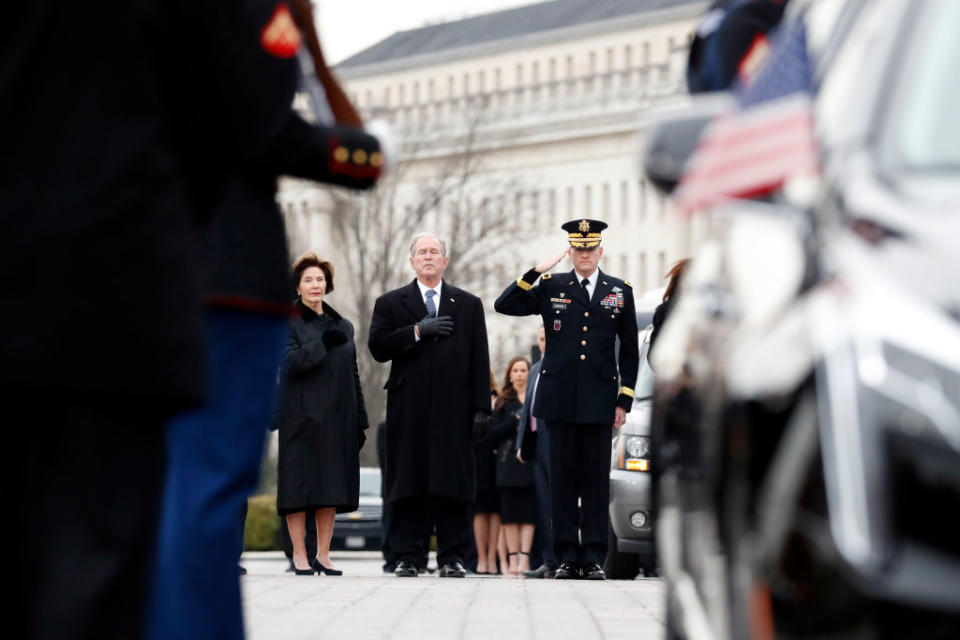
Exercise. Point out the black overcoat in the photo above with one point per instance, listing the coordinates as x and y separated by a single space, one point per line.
434 388
322 417
503 427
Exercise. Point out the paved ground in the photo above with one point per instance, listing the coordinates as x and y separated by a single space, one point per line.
364 603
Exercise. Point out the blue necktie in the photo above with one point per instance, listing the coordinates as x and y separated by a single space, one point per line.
431 306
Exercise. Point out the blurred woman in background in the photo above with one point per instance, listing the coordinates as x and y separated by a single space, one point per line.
518 511
486 510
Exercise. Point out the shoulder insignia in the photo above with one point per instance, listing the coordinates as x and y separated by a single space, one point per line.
546 276
628 284
280 37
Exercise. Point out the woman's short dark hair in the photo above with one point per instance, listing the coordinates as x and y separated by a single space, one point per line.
308 260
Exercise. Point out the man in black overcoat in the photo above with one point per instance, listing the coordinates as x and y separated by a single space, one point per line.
585 387
438 402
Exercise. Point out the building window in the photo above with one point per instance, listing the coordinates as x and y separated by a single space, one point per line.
670 45
496 79
481 81
519 75
552 69
592 64
401 95
627 57
570 204
551 209
416 92
624 201
643 271
430 90
605 215
570 67
645 56
466 84
386 96
534 216
624 267
610 59
643 199
535 70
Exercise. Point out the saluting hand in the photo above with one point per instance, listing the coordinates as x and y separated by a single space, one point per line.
546 265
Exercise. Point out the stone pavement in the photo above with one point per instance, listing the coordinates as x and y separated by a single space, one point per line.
364 603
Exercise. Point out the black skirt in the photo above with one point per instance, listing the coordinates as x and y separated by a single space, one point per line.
488 501
518 505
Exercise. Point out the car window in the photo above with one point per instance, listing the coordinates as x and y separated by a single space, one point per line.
370 483
643 390
922 132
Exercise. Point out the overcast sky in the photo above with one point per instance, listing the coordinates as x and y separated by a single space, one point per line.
349 26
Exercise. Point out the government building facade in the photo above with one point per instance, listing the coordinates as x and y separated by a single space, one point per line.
509 124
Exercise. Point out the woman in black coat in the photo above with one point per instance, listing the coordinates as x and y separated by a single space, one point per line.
322 417
518 511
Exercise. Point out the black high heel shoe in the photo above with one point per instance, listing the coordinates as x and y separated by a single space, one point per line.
320 569
301 572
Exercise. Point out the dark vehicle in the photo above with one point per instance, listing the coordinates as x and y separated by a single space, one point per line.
363 528
807 402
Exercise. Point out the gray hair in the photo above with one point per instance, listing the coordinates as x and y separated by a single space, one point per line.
426 234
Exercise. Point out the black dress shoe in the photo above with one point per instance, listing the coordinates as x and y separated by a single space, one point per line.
320 569
453 570
543 571
567 571
406 570
593 572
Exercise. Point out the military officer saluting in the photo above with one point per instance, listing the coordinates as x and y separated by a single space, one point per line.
581 392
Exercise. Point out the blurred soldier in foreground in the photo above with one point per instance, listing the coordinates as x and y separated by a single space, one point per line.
580 392
438 403
215 451
119 127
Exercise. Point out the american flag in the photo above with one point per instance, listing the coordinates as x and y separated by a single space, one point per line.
766 140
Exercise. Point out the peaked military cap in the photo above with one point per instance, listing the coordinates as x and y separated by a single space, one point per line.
584 233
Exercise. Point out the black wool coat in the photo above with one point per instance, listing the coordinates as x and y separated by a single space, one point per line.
435 387
503 426
322 417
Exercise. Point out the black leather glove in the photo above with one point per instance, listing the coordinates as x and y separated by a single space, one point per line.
481 422
431 327
333 338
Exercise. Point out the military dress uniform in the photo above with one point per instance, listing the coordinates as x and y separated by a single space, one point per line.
580 387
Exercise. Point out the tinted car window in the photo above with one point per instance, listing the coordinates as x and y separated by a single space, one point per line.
369 483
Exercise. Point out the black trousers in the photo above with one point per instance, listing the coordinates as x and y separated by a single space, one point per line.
85 477
413 520
579 469
544 532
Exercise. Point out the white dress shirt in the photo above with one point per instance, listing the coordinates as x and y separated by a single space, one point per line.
436 299
592 284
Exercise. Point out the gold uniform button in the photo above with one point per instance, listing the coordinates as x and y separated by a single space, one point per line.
340 154
584 329
586 314
583 357
359 156
583 343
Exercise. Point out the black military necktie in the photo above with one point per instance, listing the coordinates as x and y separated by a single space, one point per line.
586 292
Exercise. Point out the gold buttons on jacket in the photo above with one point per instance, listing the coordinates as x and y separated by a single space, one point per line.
583 343
583 357
584 329
586 314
